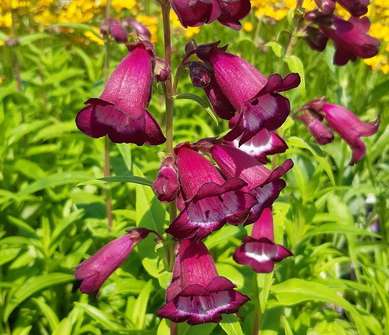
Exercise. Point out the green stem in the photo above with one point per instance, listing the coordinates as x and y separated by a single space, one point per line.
257 315
107 161
169 93
294 34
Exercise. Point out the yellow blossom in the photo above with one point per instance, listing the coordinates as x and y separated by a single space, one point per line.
248 26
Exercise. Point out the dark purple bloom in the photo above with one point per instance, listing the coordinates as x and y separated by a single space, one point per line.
121 111
254 97
115 29
350 37
321 133
326 6
259 250
316 39
208 200
265 185
193 13
355 7
202 77
262 144
232 11
94 271
166 186
197 294
346 124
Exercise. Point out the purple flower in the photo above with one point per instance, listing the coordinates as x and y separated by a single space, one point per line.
121 111
193 13
197 294
265 185
162 69
355 7
321 133
259 250
233 11
141 31
94 271
262 144
166 186
350 37
254 97
207 199
346 124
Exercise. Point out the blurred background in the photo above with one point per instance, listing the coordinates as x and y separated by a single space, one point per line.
52 207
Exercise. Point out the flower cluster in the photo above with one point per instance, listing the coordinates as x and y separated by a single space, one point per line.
350 37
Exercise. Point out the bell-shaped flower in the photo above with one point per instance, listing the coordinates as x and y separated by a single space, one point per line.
94 271
193 13
121 111
233 11
259 251
355 7
166 186
265 185
321 133
263 144
208 199
255 98
346 124
197 294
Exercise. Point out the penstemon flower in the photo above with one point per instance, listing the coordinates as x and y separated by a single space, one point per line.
94 271
321 133
121 111
197 294
346 124
207 200
259 251
255 99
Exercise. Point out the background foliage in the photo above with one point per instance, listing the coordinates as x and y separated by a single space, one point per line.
332 216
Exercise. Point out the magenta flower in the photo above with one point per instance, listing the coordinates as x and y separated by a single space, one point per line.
346 124
265 185
94 271
254 97
259 251
197 294
140 30
350 37
115 29
194 13
233 11
321 133
207 200
355 7
263 144
166 186
121 111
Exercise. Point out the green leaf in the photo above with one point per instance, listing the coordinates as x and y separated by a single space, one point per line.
296 65
140 308
230 324
334 228
30 287
127 179
295 291
163 328
190 96
49 314
276 48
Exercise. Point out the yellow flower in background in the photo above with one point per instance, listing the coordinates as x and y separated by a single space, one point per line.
248 26
176 24
94 36
5 19
277 9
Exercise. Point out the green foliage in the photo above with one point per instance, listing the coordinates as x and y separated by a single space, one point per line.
52 200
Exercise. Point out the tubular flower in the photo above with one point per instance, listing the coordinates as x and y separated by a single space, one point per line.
259 250
208 200
94 271
197 294
254 97
262 144
192 13
141 31
346 124
321 133
166 186
121 111
350 37
265 185
355 7
115 29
